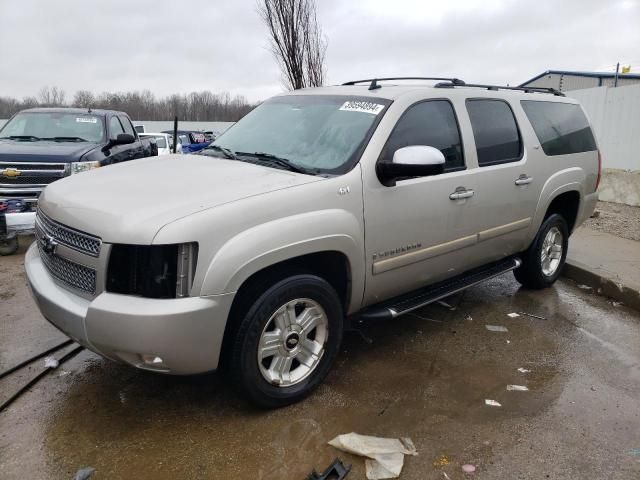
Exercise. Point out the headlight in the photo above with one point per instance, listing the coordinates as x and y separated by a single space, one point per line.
79 167
155 271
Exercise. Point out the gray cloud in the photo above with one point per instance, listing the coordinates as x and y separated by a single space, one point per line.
167 46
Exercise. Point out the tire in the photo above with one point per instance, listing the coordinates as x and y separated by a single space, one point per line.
287 342
8 246
537 272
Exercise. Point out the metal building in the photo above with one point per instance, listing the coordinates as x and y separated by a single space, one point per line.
565 81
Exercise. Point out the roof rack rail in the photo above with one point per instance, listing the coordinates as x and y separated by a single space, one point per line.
373 82
502 87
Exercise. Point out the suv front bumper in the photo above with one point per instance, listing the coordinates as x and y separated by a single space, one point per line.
177 336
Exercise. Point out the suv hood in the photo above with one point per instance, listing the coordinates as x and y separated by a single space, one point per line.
130 202
43 151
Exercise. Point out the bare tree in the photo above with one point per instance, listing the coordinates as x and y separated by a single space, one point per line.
51 97
297 41
83 99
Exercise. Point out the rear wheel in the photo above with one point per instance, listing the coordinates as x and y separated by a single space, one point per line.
287 341
545 258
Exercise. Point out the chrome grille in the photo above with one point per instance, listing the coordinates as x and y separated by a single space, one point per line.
71 273
83 242
30 174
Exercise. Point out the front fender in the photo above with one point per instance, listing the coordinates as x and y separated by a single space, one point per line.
286 238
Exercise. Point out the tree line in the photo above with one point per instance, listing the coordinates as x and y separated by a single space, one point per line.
140 105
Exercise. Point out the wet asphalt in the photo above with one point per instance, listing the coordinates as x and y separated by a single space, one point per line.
424 376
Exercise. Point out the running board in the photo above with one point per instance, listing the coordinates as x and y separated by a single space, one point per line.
406 303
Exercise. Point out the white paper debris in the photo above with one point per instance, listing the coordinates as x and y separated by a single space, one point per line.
508 342
517 388
492 403
385 456
523 370
50 362
617 304
585 287
468 468
496 328
469 318
513 315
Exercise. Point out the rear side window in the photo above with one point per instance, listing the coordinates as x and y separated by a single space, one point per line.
561 128
495 131
432 123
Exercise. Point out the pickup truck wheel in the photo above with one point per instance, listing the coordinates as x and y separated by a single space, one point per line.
8 246
544 260
288 340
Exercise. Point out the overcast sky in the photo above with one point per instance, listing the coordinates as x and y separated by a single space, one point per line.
190 45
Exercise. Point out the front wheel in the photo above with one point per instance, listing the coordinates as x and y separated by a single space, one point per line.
288 340
545 258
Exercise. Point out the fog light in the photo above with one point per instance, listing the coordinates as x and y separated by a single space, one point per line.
152 360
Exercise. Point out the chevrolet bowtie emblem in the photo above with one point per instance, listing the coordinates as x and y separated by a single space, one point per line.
10 173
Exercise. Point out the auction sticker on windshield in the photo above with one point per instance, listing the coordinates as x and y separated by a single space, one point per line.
364 107
86 120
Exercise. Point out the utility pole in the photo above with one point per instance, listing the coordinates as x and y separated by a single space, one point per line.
615 80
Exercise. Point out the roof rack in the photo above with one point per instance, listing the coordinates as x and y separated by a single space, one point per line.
373 82
501 87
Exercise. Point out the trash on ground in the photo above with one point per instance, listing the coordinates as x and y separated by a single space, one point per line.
444 474
634 451
517 388
469 318
468 468
585 287
336 471
523 370
617 304
513 315
385 456
441 461
508 342
84 473
50 362
532 315
496 328
445 305
492 403
63 373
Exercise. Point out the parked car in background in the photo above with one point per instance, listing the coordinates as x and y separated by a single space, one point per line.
164 142
320 206
191 141
41 145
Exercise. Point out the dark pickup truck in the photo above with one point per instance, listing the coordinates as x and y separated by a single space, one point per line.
41 145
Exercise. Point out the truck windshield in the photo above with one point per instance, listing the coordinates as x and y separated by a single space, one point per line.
56 126
320 133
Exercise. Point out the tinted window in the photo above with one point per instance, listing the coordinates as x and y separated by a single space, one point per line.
114 127
561 128
126 124
495 131
432 123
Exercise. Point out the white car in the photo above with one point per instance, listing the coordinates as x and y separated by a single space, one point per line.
164 142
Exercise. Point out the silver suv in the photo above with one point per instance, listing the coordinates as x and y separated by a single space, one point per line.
366 200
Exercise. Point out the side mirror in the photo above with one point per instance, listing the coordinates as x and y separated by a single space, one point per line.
123 139
412 161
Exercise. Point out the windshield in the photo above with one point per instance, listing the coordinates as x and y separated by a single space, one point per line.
315 132
73 127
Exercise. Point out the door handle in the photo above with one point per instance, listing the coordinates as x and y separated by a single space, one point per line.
461 193
524 180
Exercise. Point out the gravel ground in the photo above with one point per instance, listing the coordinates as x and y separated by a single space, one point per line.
617 219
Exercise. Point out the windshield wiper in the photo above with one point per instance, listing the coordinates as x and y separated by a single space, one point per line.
280 162
65 139
22 137
225 151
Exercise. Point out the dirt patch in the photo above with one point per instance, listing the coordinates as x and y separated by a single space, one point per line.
617 219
